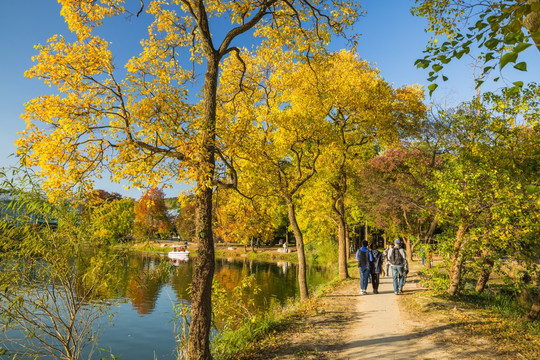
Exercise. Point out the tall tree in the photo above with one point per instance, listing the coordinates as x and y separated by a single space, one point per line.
283 134
144 128
364 111
486 187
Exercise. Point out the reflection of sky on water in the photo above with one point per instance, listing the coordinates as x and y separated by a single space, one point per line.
142 336
146 288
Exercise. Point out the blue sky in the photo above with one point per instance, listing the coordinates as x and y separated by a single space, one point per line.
391 39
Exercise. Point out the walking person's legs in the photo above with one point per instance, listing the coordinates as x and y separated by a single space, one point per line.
375 283
395 275
364 276
401 278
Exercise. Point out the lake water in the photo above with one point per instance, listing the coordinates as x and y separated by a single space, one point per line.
142 327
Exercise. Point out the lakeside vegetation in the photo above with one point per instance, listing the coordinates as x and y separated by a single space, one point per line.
284 141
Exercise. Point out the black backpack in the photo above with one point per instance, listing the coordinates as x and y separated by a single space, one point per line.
395 257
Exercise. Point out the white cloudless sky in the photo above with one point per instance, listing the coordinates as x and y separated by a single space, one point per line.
391 39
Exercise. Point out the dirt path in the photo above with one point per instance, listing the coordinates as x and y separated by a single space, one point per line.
379 330
345 325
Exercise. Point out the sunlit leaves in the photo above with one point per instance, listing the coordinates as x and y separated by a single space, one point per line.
500 29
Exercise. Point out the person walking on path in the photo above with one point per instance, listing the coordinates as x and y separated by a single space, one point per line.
386 262
362 256
375 266
398 262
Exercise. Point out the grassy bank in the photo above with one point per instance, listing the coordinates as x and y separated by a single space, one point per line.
256 338
493 323
234 251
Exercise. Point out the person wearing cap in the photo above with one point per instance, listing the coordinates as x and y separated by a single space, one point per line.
398 262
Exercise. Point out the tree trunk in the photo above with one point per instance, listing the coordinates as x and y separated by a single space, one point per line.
408 248
342 249
535 309
532 23
366 232
302 280
427 240
457 260
347 246
487 268
339 211
201 305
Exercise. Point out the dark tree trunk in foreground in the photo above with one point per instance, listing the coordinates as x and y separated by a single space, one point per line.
201 304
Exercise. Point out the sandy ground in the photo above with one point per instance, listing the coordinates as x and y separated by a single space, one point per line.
346 325
379 330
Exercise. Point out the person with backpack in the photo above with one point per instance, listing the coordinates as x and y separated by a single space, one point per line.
375 266
398 263
362 256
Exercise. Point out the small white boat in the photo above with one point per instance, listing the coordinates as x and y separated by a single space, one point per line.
178 254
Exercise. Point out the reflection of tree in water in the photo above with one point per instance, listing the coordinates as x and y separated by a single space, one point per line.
181 280
144 286
274 283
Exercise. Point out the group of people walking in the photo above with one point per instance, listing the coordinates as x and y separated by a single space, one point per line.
370 264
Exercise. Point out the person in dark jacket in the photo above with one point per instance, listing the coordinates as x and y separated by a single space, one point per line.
375 266
362 256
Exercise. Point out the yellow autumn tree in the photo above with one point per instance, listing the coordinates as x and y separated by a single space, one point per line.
282 135
327 112
140 123
363 111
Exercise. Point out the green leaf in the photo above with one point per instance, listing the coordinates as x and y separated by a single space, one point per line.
480 25
445 60
432 88
510 38
489 56
491 43
444 78
478 83
518 84
520 47
513 90
508 57
522 66
437 67
422 63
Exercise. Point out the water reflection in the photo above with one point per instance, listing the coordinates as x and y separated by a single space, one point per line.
146 287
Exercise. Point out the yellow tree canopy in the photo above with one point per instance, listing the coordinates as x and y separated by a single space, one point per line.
140 123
